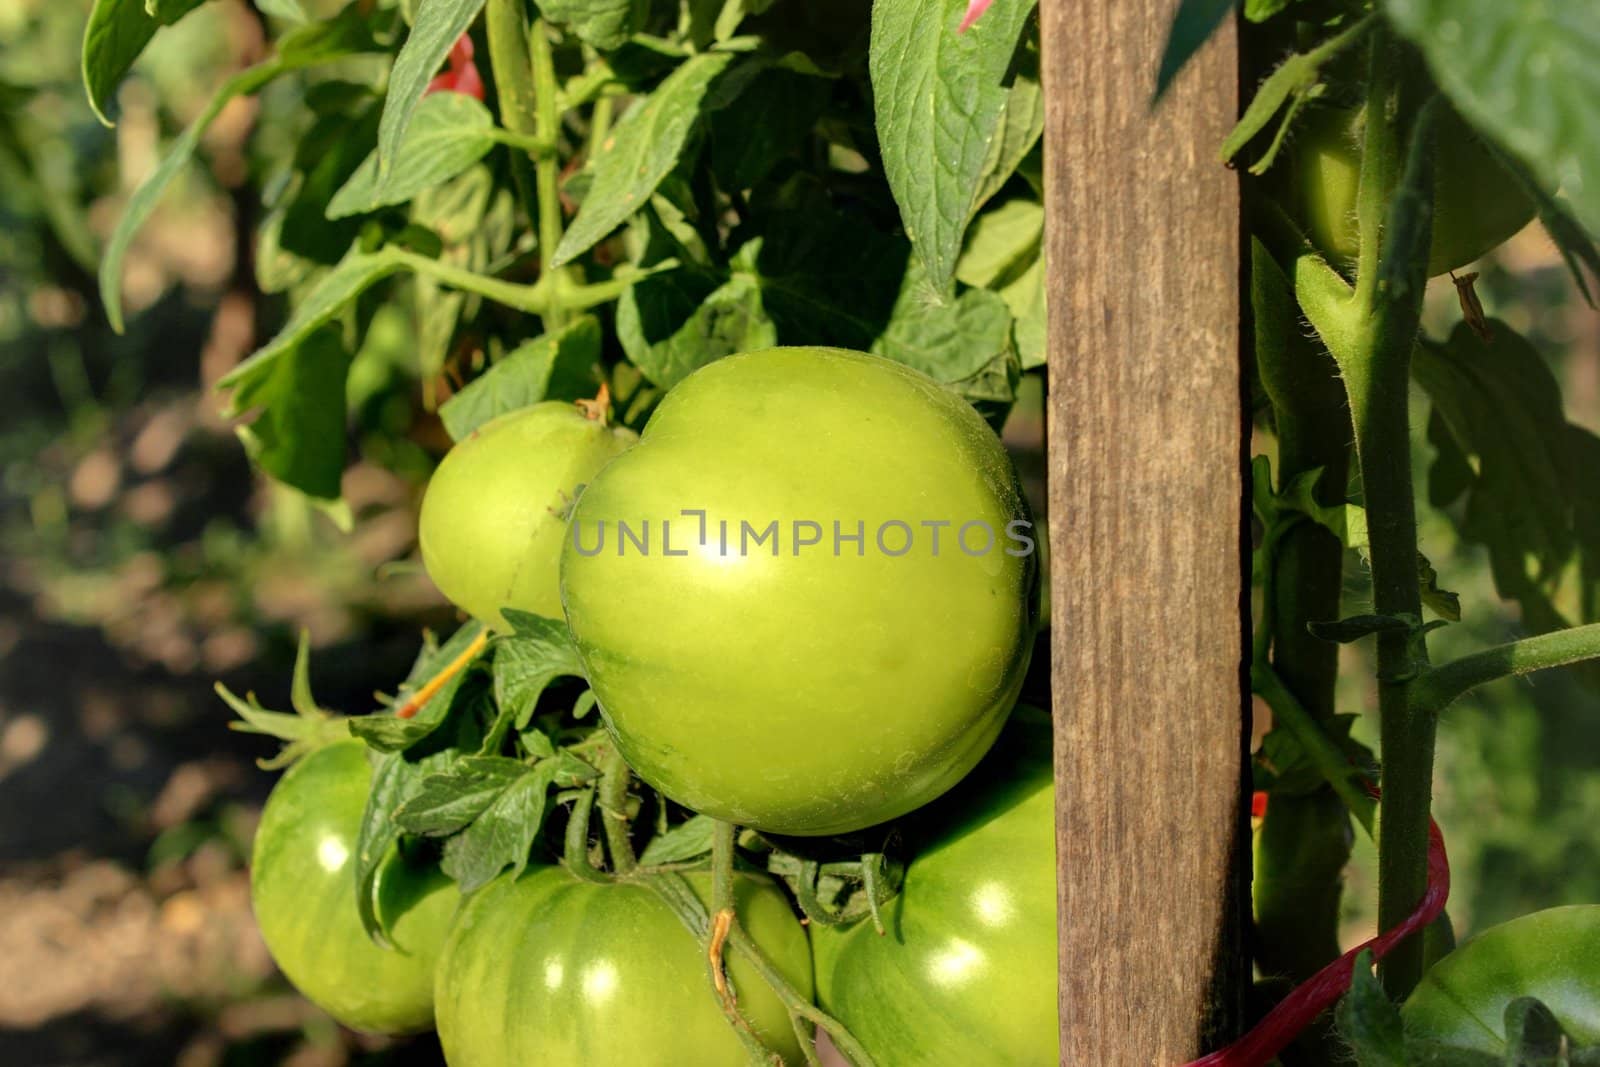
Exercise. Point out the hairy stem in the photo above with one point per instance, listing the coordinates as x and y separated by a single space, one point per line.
547 169
576 852
1441 686
615 778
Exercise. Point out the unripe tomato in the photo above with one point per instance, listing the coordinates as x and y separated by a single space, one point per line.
1478 203
813 682
548 969
493 517
1553 955
966 971
302 888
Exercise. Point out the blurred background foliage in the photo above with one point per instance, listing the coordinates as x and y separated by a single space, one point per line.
141 560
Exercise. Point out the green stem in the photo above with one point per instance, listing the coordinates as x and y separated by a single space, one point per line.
723 836
843 1039
1442 685
547 169
605 109
1380 159
1329 760
1377 377
576 853
615 777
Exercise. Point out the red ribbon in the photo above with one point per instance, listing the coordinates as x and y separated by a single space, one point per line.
975 11
1300 1008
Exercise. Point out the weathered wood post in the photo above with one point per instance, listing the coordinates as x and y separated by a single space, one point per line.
1147 483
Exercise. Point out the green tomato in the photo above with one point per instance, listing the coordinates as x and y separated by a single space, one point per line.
302 887
966 972
757 663
1478 203
550 969
1553 955
493 517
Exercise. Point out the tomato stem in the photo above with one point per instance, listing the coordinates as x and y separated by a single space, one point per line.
615 778
576 852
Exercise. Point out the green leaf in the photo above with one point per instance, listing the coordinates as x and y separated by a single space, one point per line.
1021 121
1262 10
1192 26
1026 299
605 24
1499 403
1370 1021
564 365
387 732
1002 244
438 25
668 348
1527 72
947 341
642 150
538 652
116 34
1283 767
448 134
766 122
942 100
447 802
348 34
287 10
298 436
683 842
504 834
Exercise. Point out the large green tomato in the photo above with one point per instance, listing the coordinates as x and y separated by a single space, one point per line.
1553 955
967 970
548 969
803 600
493 518
302 887
1478 203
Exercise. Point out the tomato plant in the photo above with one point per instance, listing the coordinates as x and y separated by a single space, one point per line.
301 874
766 670
966 969
548 968
493 520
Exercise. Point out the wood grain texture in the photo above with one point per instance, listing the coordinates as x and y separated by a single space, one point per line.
1147 461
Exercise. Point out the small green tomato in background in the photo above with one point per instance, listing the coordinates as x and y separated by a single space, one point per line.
493 518
1552 955
548 969
1478 203
804 657
965 972
302 888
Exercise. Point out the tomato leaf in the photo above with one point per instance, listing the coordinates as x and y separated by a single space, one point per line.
948 341
116 34
447 135
765 123
1192 26
730 318
298 433
683 842
504 835
943 105
1370 1021
445 803
436 27
348 34
605 24
558 366
644 148
386 732
538 652
1002 244
1527 72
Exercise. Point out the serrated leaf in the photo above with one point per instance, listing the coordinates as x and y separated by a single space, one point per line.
1021 121
446 802
386 732
731 318
1527 72
1192 26
297 434
1370 1021
437 26
558 366
538 652
766 122
503 835
605 24
347 34
642 150
948 341
941 100
683 842
448 134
